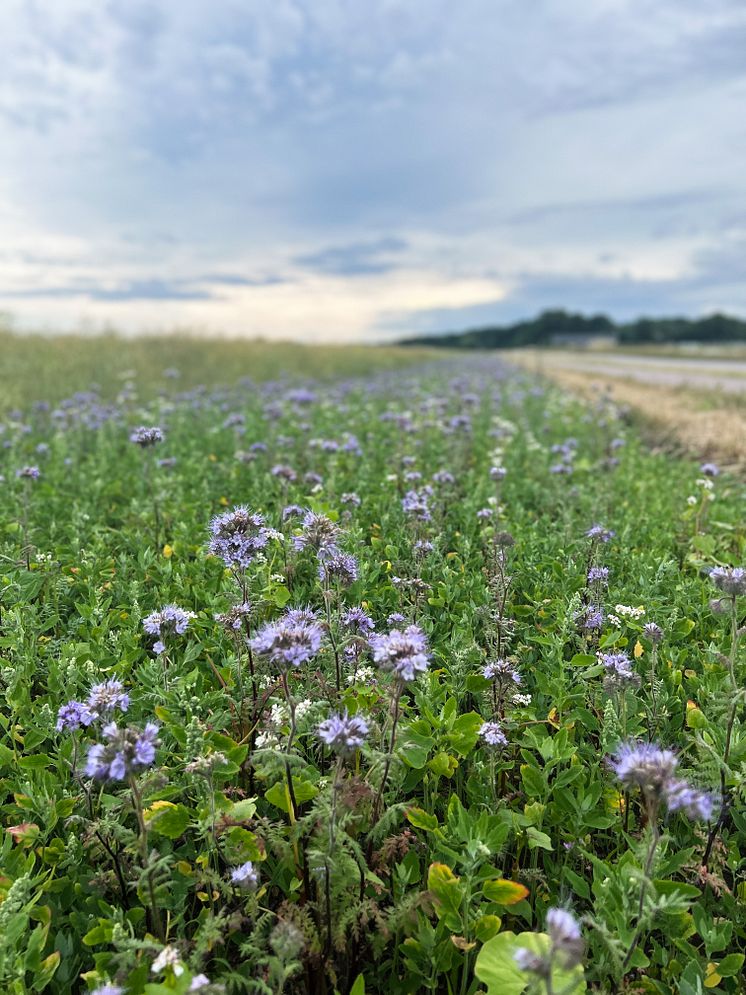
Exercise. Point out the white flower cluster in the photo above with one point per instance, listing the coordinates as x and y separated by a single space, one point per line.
625 613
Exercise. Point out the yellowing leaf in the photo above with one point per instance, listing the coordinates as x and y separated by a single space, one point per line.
639 650
504 892
168 551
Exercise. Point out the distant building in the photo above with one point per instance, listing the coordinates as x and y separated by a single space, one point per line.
578 340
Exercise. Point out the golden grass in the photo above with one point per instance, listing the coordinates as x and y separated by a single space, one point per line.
704 424
37 367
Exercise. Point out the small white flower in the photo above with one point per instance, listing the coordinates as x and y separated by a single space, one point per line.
168 957
691 500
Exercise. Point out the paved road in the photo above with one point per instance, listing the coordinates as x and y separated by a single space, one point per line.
704 374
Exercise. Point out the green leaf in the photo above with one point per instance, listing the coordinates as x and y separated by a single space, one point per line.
358 986
35 762
421 819
538 839
730 966
277 794
496 966
583 660
533 781
167 819
443 764
465 732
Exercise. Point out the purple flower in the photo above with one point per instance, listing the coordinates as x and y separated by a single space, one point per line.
356 620
72 716
599 533
337 566
492 734
29 473
443 477
730 580
619 672
108 990
107 697
414 504
124 752
405 653
283 472
598 575
343 733
396 618
652 769
498 473
233 619
501 671
564 932
237 537
289 642
485 513
652 632
710 470
170 620
291 511
589 618
246 876
145 437
318 532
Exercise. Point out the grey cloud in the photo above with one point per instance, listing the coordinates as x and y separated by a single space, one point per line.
356 259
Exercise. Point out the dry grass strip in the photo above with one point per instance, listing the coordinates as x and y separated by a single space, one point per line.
703 424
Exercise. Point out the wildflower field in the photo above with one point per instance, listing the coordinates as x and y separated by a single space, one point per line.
423 680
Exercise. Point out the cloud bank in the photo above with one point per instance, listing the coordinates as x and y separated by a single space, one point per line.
345 171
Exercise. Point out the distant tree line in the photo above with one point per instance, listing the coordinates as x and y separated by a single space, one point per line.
554 327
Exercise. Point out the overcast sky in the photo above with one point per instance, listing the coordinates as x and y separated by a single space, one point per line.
341 169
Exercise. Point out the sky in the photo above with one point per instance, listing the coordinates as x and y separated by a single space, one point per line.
340 170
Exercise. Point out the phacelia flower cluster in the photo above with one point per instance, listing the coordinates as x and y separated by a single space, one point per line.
170 620
343 733
652 770
404 652
493 735
619 673
145 436
318 532
237 537
103 699
245 877
501 671
125 751
730 580
291 641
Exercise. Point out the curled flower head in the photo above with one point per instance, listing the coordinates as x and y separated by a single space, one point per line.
288 642
246 876
729 580
343 733
234 618
318 532
107 697
652 632
337 566
237 537
492 734
404 652
124 752
146 437
169 621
